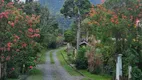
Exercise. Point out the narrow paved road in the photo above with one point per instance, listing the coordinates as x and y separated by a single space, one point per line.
55 71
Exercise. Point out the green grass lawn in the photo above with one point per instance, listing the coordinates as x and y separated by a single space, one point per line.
51 58
67 67
35 74
42 56
35 77
13 79
88 76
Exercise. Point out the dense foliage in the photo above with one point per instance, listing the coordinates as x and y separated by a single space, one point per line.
19 33
115 25
24 30
117 28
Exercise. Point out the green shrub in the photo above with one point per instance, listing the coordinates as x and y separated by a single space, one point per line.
13 71
34 71
81 60
136 73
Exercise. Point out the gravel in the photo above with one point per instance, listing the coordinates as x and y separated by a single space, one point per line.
55 71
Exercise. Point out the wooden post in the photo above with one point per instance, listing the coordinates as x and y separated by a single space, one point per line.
129 72
119 67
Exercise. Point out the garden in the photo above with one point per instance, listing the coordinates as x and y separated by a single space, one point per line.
103 41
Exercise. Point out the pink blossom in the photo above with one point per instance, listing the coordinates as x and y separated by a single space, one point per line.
17 37
137 21
9 44
102 1
11 23
12 69
8 49
30 30
24 45
2 1
7 58
17 50
4 15
36 35
30 67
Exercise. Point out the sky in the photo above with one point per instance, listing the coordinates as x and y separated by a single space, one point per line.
55 5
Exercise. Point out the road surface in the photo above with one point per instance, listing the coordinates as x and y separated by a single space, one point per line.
55 71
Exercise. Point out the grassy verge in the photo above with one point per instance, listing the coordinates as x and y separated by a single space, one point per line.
42 56
88 76
35 74
13 79
51 58
65 65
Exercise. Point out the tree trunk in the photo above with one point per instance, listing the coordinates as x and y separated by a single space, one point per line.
27 1
78 36
78 30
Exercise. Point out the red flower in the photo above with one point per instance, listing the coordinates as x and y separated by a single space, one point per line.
2 1
30 30
137 21
17 37
30 67
12 69
24 45
36 35
20 31
4 15
9 44
7 58
10 3
11 23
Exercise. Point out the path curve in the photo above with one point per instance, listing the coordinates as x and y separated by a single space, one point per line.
55 71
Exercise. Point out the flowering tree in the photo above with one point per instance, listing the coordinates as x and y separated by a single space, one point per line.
18 37
117 29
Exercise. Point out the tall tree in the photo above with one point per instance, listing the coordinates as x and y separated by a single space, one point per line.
27 1
76 9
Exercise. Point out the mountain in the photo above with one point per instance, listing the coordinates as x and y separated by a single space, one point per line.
55 5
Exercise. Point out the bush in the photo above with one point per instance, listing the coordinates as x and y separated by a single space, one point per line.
14 74
34 71
81 60
13 71
136 73
52 45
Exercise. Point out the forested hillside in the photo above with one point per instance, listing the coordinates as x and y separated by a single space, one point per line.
55 5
